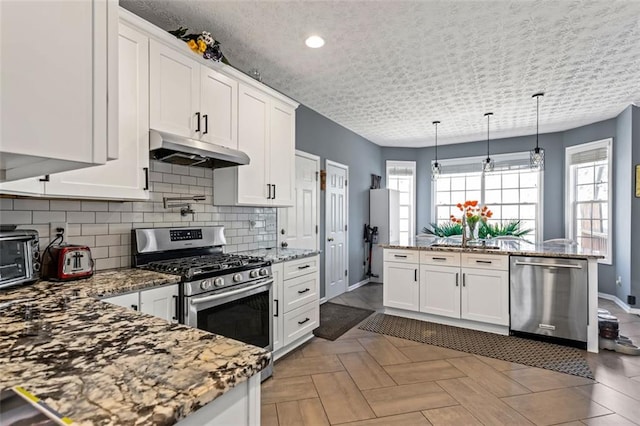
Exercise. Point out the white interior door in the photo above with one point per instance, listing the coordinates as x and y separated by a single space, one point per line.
337 212
298 225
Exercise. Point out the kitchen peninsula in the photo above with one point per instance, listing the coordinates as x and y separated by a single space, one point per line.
442 282
98 363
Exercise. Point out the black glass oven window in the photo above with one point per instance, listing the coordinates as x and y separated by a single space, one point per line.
12 260
246 319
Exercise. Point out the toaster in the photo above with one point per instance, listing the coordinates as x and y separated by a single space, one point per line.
66 262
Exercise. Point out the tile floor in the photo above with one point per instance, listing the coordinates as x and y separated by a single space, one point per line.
365 378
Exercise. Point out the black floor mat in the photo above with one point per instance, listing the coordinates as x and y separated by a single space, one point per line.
335 319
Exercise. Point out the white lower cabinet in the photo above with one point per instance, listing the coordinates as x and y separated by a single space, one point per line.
401 288
160 302
485 296
440 290
296 309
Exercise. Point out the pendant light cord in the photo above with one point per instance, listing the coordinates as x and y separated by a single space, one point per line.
537 96
435 123
488 115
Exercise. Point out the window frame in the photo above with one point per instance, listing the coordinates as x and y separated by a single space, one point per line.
478 160
569 192
389 164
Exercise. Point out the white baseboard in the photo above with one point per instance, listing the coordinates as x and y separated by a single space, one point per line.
324 299
358 284
615 299
291 346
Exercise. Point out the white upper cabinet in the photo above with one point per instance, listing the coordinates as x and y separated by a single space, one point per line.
174 92
126 177
219 105
266 133
56 118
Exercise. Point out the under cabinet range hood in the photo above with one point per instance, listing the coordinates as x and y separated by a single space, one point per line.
176 149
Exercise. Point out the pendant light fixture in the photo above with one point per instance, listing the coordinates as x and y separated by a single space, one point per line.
487 164
435 166
536 155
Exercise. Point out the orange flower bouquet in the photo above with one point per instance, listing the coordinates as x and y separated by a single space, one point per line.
471 215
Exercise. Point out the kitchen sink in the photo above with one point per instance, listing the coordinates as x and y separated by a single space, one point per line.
473 246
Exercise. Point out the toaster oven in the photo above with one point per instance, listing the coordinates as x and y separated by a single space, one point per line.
19 257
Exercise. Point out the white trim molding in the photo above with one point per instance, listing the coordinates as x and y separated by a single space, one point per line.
615 299
358 284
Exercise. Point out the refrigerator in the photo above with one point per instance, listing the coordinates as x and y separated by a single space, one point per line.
384 212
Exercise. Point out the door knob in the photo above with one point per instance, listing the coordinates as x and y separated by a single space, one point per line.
329 239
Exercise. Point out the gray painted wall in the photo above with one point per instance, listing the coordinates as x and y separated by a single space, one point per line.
318 135
622 206
632 221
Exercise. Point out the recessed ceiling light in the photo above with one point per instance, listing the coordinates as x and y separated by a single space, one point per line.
314 42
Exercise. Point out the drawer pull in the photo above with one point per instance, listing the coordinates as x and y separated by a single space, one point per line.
457 273
303 321
438 258
304 267
483 261
303 291
403 256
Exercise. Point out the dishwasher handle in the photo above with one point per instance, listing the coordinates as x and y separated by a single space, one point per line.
548 265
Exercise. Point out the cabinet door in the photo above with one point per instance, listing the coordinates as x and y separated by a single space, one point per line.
30 186
278 306
131 300
160 302
53 118
174 92
123 178
440 290
282 153
400 288
485 296
219 107
253 136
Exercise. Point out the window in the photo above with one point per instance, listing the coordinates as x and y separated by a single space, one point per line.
401 176
512 190
588 189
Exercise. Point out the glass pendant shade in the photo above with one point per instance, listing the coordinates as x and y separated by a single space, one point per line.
487 165
435 170
536 158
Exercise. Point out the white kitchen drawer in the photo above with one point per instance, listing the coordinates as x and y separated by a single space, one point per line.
403 256
441 258
301 321
300 291
485 261
298 267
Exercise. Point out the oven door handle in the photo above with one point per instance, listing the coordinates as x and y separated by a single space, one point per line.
198 300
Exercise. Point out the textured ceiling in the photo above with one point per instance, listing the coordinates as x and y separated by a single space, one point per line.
390 68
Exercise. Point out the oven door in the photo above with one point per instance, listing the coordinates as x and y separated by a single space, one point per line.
243 314
16 261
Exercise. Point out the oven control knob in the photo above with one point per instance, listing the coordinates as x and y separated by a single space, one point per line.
206 284
218 282
264 271
237 278
253 273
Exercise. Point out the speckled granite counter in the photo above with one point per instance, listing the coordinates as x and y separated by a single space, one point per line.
276 255
107 365
517 248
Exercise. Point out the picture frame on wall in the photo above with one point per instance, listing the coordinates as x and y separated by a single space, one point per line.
637 180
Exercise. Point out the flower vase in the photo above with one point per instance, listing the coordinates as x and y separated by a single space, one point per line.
471 232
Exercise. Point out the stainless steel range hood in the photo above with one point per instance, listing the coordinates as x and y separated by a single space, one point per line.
176 149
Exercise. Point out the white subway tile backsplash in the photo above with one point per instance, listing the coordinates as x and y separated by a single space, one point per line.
21 204
205 182
95 206
167 178
100 252
86 240
133 217
108 240
95 229
188 180
196 171
154 217
74 229
6 204
64 205
142 206
15 217
177 169
109 217
120 206
158 166
48 217
81 217
108 263
120 228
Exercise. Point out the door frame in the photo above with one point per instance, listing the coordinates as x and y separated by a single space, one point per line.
316 159
346 240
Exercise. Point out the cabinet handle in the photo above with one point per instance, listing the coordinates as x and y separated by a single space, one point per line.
303 291
457 273
329 239
274 192
269 190
303 321
464 284
304 267
176 307
403 256
483 261
146 178
198 122
439 258
277 307
44 179
206 124
134 307
415 275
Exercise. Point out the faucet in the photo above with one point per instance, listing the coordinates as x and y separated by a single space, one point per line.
464 229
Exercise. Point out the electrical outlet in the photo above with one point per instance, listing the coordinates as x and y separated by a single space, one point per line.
53 230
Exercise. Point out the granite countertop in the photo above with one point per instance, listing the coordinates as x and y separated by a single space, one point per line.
523 248
276 255
108 365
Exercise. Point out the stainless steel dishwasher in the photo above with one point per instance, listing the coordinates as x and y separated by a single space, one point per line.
549 296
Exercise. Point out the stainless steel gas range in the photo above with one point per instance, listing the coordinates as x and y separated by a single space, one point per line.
226 294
